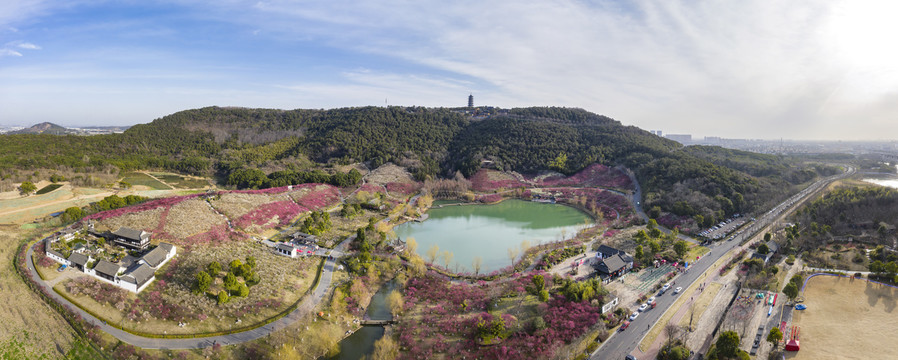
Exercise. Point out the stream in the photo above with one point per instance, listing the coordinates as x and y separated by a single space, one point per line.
361 342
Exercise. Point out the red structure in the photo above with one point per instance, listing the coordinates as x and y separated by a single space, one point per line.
792 343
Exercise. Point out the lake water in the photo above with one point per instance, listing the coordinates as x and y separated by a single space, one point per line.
489 231
892 183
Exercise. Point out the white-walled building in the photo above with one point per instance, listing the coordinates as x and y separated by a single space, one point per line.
134 279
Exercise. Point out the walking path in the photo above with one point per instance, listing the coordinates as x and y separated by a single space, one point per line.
305 308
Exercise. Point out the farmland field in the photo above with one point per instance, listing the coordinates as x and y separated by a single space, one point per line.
180 181
48 188
846 319
141 179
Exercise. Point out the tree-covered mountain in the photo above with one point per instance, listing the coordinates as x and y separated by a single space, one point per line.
431 142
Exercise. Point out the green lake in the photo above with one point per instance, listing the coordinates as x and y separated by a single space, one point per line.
489 231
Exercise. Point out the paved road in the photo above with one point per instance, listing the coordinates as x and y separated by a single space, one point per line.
625 342
305 308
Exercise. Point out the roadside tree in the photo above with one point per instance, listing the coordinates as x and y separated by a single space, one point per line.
681 247
774 337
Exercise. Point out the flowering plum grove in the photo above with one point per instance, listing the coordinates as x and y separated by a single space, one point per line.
453 319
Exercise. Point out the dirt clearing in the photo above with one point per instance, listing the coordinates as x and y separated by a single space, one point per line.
846 319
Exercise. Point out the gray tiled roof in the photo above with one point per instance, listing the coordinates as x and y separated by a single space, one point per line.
285 247
140 276
155 256
166 247
54 252
78 258
607 250
108 268
130 234
610 264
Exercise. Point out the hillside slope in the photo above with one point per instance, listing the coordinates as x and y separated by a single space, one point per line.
430 142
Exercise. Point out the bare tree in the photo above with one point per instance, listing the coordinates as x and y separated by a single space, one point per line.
411 245
477 262
691 315
384 349
432 253
512 255
447 258
525 244
673 331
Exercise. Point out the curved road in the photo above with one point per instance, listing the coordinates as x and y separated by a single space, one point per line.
622 343
305 308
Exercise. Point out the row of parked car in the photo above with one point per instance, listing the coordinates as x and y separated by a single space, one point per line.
712 232
649 304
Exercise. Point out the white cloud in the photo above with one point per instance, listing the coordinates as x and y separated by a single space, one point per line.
8 52
754 68
739 69
28 46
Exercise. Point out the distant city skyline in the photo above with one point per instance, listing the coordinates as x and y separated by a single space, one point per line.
757 69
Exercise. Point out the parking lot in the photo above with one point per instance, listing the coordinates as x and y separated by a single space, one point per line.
724 228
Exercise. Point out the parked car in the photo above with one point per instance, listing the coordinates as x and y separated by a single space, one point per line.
634 315
643 307
630 357
665 287
624 326
651 300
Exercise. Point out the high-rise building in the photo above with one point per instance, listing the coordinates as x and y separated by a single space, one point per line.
471 100
680 138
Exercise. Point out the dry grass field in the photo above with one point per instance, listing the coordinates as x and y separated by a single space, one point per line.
22 310
847 319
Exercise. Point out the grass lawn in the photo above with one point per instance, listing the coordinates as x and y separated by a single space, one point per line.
524 308
48 188
701 305
695 251
46 273
136 178
658 327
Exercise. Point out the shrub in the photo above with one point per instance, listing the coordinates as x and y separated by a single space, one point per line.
234 265
230 281
203 280
223 297
214 268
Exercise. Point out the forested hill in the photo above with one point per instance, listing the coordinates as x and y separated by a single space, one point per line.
430 142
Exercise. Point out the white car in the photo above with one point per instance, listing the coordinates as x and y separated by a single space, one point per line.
651 300
633 315
665 287
643 307
677 290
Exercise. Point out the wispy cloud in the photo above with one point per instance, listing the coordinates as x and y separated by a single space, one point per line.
733 69
754 68
28 46
8 52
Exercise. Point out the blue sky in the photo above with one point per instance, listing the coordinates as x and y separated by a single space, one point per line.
746 69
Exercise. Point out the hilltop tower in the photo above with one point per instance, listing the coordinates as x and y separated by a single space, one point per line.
471 100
